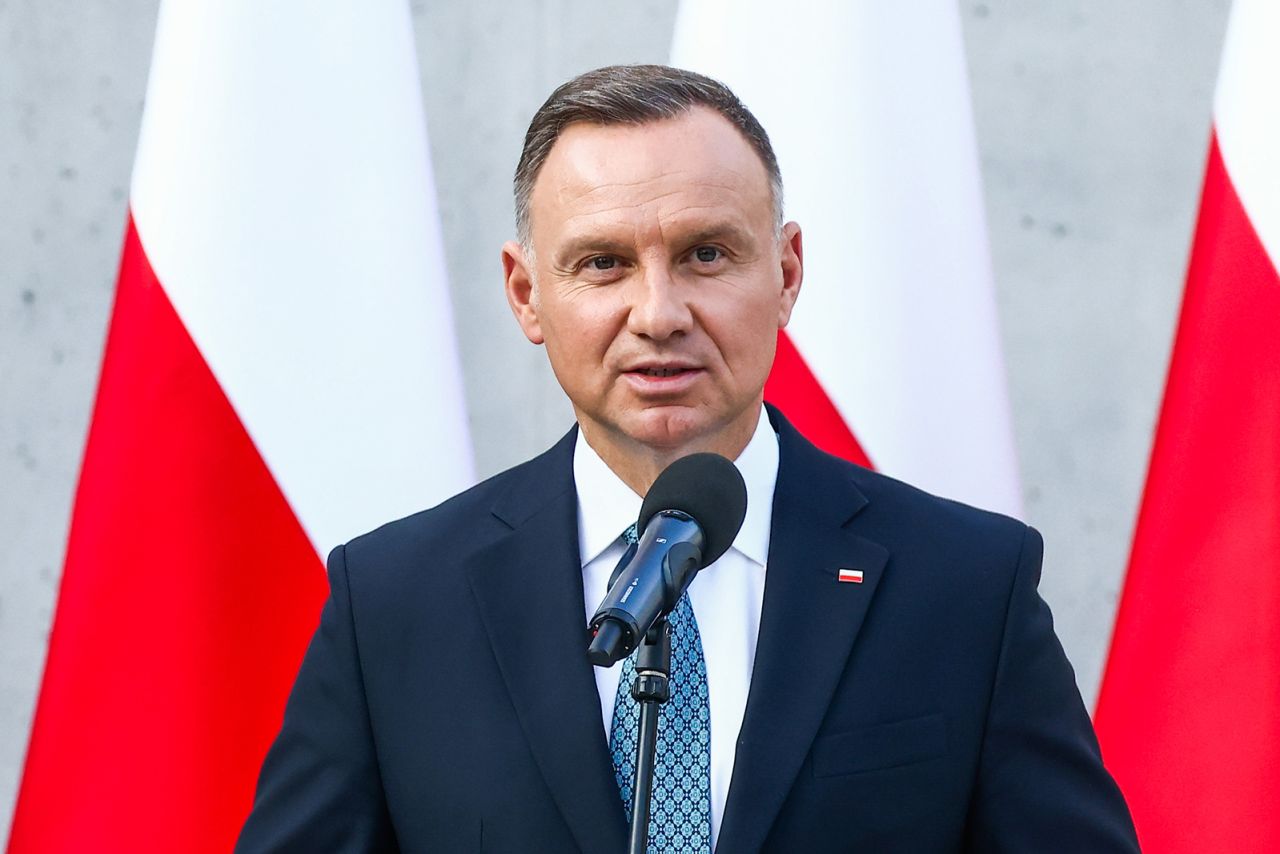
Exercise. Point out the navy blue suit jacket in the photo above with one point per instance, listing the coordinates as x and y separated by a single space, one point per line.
446 702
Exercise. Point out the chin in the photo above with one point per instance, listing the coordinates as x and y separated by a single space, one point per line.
667 428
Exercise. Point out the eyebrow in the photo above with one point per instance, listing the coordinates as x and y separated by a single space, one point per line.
721 231
726 232
589 245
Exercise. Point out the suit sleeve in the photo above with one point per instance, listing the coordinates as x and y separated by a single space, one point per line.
319 789
1041 783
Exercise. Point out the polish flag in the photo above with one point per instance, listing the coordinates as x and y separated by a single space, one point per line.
892 357
280 375
1189 712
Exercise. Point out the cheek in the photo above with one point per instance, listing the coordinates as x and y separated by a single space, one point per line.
752 329
578 310
578 342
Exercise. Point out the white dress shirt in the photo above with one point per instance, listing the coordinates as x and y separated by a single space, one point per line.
726 596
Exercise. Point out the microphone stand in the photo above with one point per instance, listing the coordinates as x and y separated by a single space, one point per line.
651 689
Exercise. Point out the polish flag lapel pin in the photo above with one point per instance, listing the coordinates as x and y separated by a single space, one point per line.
850 576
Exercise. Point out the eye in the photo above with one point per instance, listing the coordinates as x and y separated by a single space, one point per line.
707 254
603 263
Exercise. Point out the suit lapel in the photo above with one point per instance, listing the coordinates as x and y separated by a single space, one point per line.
528 586
807 626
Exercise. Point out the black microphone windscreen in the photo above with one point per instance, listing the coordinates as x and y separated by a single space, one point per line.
710 489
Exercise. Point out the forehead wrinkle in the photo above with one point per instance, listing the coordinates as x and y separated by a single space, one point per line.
688 223
714 145
715 172
595 192
569 196
725 203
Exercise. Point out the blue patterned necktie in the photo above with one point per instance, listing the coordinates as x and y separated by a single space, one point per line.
680 820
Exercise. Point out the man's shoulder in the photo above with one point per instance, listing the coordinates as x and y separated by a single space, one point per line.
887 509
441 536
934 543
901 506
940 549
464 510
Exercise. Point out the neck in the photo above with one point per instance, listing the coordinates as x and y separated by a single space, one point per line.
638 465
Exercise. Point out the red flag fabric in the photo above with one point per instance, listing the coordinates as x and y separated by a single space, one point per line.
794 389
1189 711
178 633
280 375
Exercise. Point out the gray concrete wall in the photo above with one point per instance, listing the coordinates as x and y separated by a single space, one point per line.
72 77
1093 127
1092 118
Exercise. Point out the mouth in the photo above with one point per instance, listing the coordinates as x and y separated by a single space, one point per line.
661 368
662 377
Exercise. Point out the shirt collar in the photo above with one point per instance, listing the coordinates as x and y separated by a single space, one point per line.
606 505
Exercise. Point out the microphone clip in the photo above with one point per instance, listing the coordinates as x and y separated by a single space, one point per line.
673 541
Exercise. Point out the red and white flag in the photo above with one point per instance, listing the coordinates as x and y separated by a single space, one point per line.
893 354
1189 712
280 374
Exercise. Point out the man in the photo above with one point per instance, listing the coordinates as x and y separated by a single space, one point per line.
867 668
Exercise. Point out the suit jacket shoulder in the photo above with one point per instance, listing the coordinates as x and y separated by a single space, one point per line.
946 540
432 546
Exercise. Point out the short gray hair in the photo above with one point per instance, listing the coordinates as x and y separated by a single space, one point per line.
633 95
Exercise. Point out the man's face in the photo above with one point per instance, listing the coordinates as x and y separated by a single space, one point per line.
658 280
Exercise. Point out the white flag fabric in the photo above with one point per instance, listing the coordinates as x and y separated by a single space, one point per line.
284 196
280 376
868 108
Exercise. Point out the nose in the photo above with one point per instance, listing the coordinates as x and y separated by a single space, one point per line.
657 307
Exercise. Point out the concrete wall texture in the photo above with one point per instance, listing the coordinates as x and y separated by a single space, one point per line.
1093 122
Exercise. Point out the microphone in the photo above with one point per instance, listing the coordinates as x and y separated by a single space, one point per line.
689 518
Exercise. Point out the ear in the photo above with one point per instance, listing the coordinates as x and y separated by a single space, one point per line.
518 279
792 262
